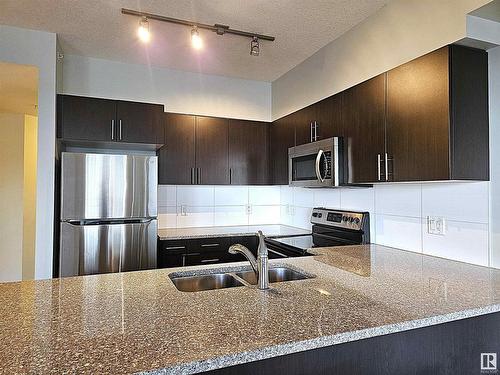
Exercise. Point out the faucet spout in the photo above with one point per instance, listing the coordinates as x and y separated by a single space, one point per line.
260 265
237 248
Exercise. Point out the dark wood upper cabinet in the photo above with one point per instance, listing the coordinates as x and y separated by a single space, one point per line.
328 117
86 119
139 122
302 120
437 117
282 137
176 159
212 151
364 124
103 120
248 152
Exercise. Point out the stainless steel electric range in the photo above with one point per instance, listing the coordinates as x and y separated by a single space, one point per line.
329 228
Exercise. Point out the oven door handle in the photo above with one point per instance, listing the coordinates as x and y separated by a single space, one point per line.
277 253
318 161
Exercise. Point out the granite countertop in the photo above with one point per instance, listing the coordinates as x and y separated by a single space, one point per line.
139 322
269 230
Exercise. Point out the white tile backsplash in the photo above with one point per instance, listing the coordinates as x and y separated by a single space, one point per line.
466 242
231 195
399 199
264 195
329 198
397 212
230 215
265 215
398 231
196 216
195 195
464 201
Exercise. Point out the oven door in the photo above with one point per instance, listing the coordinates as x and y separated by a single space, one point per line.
314 164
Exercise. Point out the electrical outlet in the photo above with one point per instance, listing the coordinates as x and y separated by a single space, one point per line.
183 210
436 225
249 209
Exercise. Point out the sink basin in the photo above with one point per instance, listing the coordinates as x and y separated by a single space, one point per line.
276 275
205 282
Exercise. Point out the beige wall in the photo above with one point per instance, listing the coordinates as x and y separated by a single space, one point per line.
29 196
18 139
399 32
11 195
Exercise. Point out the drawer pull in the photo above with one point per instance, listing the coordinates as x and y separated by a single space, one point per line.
209 260
192 254
175 247
210 245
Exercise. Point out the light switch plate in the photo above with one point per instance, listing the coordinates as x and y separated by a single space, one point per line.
436 225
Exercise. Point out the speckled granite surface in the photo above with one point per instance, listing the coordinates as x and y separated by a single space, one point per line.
139 322
270 230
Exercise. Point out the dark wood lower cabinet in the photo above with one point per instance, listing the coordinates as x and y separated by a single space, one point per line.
445 349
199 251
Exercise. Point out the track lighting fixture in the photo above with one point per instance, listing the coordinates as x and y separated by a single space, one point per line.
254 46
143 30
196 41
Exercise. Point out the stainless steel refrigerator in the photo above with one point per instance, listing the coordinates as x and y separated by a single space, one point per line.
108 213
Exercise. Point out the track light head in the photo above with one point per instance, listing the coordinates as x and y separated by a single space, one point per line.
255 46
196 40
143 30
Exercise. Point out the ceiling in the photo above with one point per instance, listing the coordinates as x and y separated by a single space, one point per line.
490 11
96 28
18 88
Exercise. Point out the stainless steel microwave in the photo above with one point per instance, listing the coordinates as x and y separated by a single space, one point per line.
316 164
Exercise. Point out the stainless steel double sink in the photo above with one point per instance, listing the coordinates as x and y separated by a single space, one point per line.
230 279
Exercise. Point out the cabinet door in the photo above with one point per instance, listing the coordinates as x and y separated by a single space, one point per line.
87 119
418 118
176 159
248 152
302 121
282 136
139 122
212 151
364 126
328 117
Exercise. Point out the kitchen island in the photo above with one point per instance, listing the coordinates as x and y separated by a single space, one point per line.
139 322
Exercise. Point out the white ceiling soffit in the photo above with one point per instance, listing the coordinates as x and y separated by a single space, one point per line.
18 89
96 28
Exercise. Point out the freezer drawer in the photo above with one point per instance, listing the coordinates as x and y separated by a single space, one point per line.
93 249
102 186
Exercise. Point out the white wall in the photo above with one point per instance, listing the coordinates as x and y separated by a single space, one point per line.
202 206
398 215
494 96
182 92
399 32
37 48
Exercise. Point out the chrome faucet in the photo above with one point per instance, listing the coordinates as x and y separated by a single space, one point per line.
260 265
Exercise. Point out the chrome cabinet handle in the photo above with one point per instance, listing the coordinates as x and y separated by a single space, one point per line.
209 260
175 247
209 244
387 166
311 128
379 160
192 176
120 129
315 130
318 160
230 175
112 130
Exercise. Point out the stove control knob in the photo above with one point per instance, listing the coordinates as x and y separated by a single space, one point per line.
356 220
351 219
344 218
320 215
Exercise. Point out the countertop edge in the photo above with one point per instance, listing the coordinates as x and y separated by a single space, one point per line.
320 342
